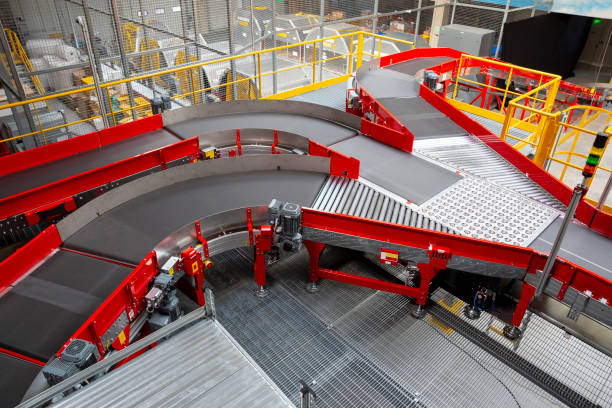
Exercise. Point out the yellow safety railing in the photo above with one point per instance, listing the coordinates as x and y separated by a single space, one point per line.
20 56
335 66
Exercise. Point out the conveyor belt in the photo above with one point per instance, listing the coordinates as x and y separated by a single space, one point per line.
413 66
579 243
80 163
202 366
130 231
40 313
15 377
319 130
406 175
351 197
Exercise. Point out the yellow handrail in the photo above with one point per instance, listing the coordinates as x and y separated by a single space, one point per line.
17 50
191 67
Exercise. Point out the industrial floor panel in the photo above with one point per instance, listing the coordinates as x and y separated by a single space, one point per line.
357 347
48 173
202 366
319 130
594 249
45 308
404 174
387 84
411 67
129 231
16 375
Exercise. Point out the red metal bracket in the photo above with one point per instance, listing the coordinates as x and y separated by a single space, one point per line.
527 292
26 257
275 143
193 265
202 240
50 211
238 143
250 225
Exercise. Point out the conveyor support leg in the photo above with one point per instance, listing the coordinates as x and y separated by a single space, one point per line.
263 243
314 249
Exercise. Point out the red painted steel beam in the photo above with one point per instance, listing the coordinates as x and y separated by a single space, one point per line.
62 189
419 238
21 357
578 278
340 164
55 151
369 282
28 256
400 140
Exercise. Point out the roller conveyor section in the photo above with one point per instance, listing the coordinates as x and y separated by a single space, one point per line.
48 173
469 154
352 197
128 233
406 175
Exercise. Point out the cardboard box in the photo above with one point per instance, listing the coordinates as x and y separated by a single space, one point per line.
77 77
397 26
337 15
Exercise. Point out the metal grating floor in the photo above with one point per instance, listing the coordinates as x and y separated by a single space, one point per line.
361 348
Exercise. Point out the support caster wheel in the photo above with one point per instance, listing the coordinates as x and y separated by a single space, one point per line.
312 287
419 312
261 292
471 312
512 332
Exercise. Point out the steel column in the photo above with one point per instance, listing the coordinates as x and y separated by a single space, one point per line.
273 23
124 62
501 29
230 27
88 35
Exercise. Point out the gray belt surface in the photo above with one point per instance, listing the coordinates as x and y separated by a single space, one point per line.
411 67
319 130
129 231
404 174
15 377
382 83
47 307
581 246
48 173
422 119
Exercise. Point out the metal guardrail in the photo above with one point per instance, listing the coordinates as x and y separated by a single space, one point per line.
318 59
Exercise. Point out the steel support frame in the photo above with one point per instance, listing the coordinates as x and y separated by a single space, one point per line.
438 259
439 246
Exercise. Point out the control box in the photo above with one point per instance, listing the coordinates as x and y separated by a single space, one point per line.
471 40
